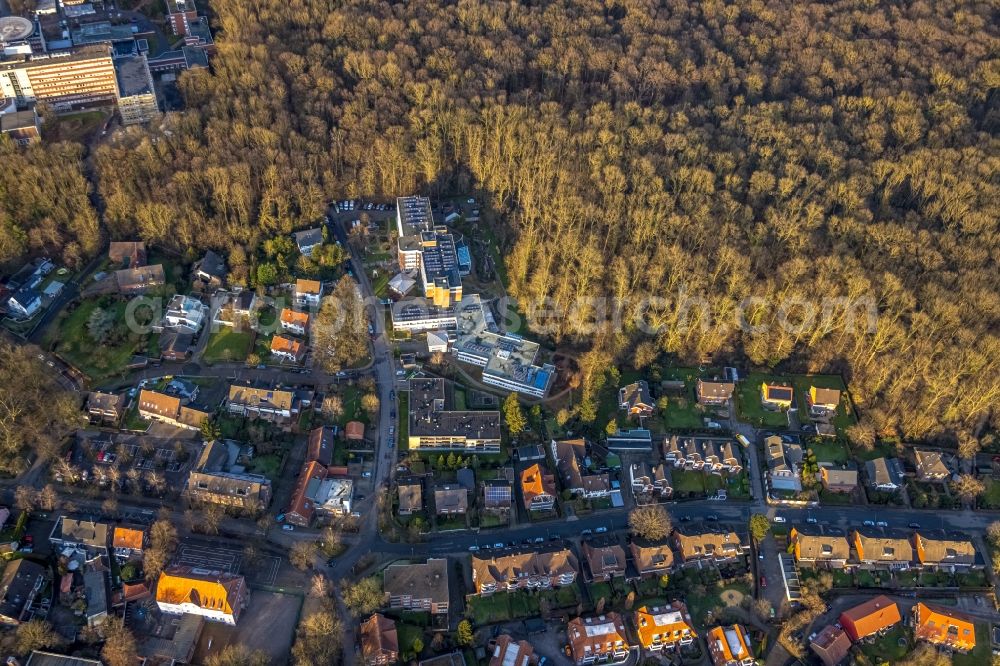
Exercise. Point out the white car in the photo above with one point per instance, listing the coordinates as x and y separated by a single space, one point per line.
473 549
288 528
869 523
779 519
882 523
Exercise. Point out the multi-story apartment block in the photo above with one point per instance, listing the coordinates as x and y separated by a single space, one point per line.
136 94
419 587
214 595
667 626
524 570
601 638
181 14
730 646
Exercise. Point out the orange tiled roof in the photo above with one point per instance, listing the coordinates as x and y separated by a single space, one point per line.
668 624
281 344
870 617
535 482
307 286
290 316
126 537
354 430
941 627
159 403
212 592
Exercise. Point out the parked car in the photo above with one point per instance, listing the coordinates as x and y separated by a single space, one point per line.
811 520
473 549
882 523
586 532
601 530
869 523
914 526
763 582
288 528
779 519
498 545
712 517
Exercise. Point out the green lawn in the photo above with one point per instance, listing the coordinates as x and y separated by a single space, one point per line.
106 358
406 634
888 648
700 605
980 654
748 401
685 481
268 465
991 498
486 610
831 451
699 483
227 344
132 419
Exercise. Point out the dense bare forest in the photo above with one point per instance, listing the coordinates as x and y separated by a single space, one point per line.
768 151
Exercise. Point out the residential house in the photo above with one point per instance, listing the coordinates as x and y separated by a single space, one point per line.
264 403
170 409
294 322
875 616
497 496
410 497
106 407
379 641
604 562
877 548
524 570
883 474
321 444
87 535
287 349
647 480
308 240
450 499
185 314
128 254
662 627
714 392
538 489
234 308
820 546
822 401
832 645
730 646
635 399
782 473
651 559
435 426
20 584
839 480
931 466
570 455
636 439
943 628
210 271
308 293
175 346
214 595
716 545
508 652
418 587
776 396
138 280
318 493
945 551
25 302
127 542
599 638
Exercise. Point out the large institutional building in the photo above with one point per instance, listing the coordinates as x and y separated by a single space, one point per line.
64 79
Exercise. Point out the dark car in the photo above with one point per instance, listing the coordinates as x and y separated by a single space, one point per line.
915 526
